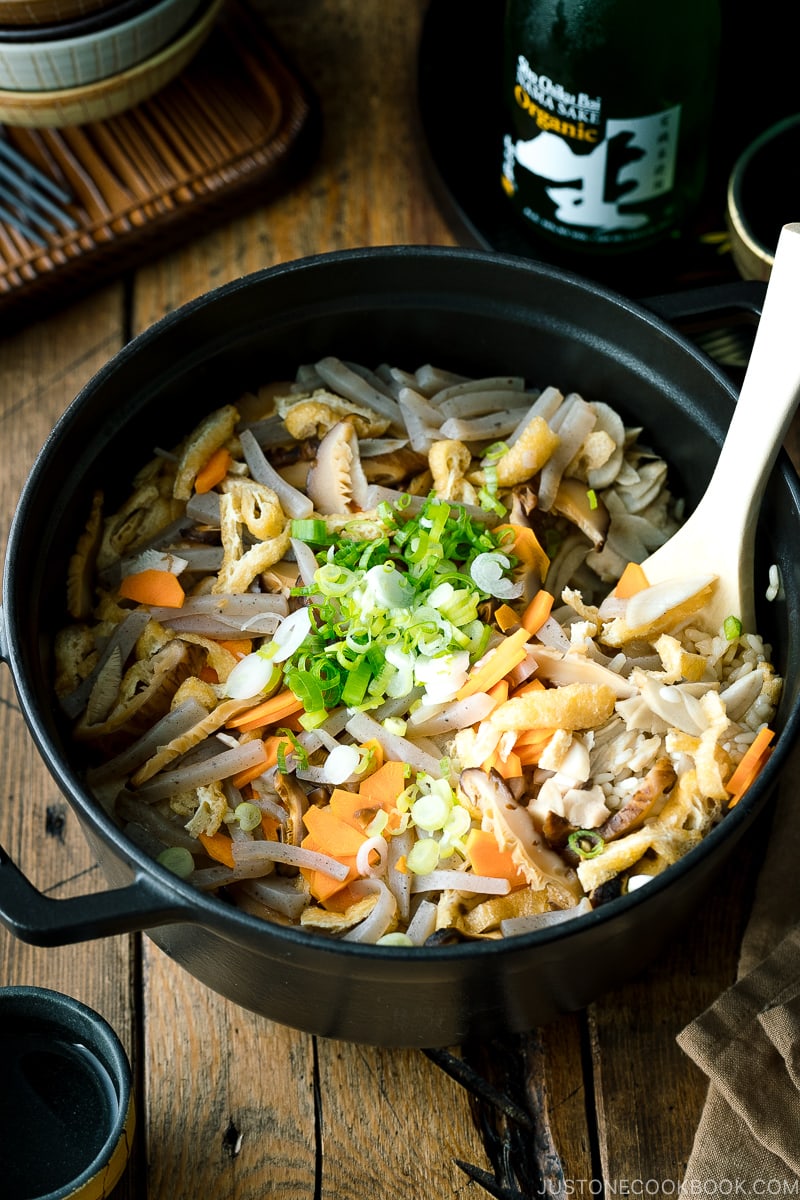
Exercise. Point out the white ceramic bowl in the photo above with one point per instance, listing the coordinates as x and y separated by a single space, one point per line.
106 97
45 66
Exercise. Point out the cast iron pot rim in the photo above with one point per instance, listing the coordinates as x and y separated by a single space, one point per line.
206 910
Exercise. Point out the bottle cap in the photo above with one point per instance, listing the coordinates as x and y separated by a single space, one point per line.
66 1099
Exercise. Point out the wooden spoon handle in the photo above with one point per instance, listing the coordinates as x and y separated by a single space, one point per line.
719 536
768 397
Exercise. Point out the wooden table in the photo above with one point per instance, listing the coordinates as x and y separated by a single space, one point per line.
230 1105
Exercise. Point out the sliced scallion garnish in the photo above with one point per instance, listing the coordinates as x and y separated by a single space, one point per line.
732 628
586 843
380 603
178 860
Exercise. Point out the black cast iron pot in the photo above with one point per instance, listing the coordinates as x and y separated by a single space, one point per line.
471 312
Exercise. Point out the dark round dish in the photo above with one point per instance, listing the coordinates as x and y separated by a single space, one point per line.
470 311
66 1098
763 193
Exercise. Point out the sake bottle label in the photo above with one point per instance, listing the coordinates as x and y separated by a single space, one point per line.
588 176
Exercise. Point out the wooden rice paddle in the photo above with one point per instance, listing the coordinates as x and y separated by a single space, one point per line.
719 536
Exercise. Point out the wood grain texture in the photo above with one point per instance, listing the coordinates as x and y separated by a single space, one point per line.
367 185
391 1123
648 1096
373 1106
41 369
231 1097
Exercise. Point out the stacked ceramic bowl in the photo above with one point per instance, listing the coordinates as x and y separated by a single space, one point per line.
65 62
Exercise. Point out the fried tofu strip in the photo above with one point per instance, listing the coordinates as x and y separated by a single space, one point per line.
573 706
209 435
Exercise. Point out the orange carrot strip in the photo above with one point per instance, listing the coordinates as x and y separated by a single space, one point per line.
486 858
214 471
239 648
506 656
267 712
293 722
250 773
506 618
537 611
378 755
160 589
526 547
498 691
384 785
333 836
358 810
531 685
631 581
533 737
270 826
345 805
750 765
218 846
340 900
509 767
488 764
324 886
529 756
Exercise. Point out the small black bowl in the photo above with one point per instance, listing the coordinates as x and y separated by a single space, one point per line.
763 195
66 1101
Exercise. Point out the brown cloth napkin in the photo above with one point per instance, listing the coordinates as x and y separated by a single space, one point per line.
748 1041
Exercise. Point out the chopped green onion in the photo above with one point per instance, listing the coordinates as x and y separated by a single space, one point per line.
311 530
423 857
356 685
732 628
395 725
248 815
312 720
378 823
487 496
299 750
586 843
430 812
591 496
178 860
494 452
389 590
306 688
489 502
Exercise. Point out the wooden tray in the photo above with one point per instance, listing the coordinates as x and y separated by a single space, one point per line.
233 129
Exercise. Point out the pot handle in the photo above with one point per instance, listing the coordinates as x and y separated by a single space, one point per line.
42 921
695 304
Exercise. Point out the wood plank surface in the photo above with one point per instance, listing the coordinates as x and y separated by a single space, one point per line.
41 369
233 1107
366 187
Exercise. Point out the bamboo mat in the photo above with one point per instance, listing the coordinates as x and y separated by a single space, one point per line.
234 126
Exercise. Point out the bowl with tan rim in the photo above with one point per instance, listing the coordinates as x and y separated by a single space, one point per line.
122 88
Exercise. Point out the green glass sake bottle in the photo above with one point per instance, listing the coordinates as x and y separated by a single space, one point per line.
608 108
